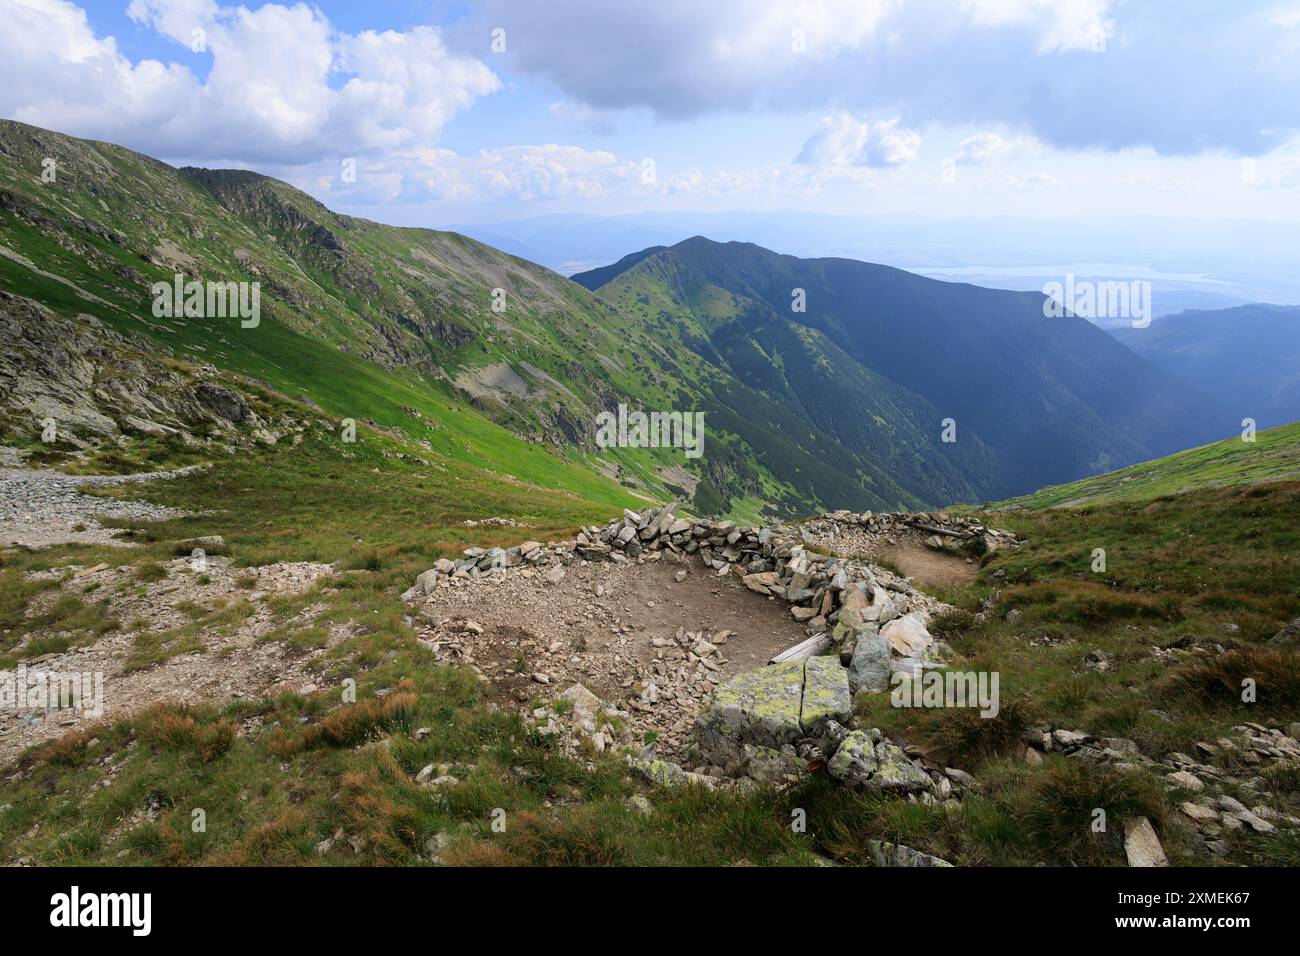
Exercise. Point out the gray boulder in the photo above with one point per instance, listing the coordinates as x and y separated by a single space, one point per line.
221 402
869 762
1289 636
872 664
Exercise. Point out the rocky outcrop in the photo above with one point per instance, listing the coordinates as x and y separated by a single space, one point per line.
222 402
96 385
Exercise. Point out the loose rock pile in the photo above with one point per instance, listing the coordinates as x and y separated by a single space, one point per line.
40 507
775 725
864 533
839 601
1210 808
863 624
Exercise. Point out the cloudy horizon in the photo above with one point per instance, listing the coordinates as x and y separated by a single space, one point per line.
430 113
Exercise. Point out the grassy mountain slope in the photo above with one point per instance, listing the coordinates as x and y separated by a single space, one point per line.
1053 398
1248 356
397 326
804 371
1274 455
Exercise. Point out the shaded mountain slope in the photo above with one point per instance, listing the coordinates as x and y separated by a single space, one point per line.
1053 399
1248 357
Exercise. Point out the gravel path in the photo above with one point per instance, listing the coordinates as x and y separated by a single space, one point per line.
40 507
237 665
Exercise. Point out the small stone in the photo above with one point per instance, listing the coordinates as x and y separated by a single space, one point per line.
638 803
1186 781
1071 738
1199 813
1141 845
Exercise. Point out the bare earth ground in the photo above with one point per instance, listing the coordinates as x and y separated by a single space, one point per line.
232 663
925 566
907 552
653 647
613 628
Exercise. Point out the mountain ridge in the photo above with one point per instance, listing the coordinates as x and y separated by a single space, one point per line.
398 326
951 344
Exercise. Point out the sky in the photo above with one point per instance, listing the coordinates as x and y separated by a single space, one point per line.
427 113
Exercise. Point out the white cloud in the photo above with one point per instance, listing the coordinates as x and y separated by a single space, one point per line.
55 72
272 94
988 146
1061 25
552 173
1075 74
580 117
680 57
843 140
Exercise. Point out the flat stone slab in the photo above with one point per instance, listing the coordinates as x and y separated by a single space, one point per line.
825 694
1141 845
776 705
895 854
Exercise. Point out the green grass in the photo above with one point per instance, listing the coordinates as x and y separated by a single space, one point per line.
276 777
1273 456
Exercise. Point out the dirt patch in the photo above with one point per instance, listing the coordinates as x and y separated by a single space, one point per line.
925 566
902 548
613 628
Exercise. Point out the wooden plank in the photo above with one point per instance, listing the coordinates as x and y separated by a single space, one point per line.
814 645
943 531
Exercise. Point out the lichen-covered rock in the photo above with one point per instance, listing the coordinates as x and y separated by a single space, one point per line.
867 761
664 773
776 767
759 707
772 707
895 854
825 695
